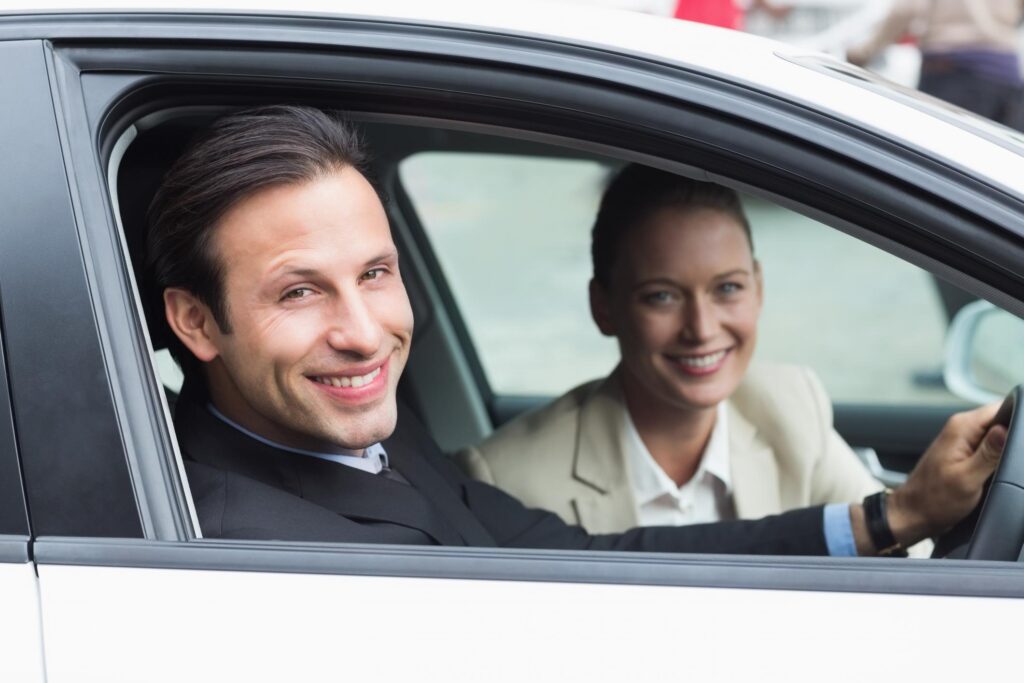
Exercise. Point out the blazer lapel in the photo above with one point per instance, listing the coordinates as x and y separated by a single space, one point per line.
608 504
755 475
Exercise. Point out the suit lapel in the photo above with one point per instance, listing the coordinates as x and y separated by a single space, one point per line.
408 451
365 497
608 505
755 474
352 493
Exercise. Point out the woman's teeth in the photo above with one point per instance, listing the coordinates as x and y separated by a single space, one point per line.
701 361
357 381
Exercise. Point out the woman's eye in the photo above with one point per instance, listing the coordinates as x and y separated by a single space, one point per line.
729 287
661 297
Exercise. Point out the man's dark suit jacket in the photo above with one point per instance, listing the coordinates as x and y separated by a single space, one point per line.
245 489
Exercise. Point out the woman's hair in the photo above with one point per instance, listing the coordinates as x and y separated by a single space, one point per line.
636 193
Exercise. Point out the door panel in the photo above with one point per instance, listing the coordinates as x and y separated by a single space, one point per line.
21 646
108 623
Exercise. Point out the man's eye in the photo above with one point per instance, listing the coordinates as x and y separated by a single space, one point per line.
729 288
297 293
373 274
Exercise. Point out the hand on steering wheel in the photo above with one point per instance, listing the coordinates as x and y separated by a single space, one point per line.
995 530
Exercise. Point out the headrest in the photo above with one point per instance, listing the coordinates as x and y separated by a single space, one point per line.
139 175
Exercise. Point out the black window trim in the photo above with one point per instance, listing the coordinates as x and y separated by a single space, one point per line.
14 515
44 293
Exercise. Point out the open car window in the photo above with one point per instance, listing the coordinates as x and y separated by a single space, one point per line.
495 241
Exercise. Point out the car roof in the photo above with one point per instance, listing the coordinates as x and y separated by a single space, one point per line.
811 79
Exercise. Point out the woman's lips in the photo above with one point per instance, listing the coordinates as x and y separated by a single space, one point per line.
700 365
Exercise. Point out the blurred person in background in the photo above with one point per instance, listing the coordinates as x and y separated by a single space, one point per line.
969 52
725 13
969 57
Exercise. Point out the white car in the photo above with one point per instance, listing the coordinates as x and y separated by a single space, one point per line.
493 126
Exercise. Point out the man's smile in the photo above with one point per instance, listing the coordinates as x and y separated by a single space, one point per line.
347 380
358 385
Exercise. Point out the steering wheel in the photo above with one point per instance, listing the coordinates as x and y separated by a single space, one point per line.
998 521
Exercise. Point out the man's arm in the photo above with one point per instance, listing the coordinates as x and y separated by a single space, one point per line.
944 487
891 28
512 525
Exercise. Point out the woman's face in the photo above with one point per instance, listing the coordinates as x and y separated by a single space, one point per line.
683 302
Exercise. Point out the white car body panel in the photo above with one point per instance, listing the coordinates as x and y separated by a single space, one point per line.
113 624
21 652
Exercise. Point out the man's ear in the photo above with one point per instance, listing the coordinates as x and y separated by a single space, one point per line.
600 308
192 322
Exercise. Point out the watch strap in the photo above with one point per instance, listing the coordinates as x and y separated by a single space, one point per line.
877 519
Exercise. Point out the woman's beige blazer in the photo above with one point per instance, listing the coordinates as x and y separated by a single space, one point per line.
566 456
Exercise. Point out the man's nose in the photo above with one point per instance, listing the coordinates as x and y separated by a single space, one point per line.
700 320
355 329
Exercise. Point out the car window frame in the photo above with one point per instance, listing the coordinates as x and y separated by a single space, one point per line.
111 97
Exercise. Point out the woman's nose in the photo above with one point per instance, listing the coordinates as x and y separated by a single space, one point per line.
700 322
355 328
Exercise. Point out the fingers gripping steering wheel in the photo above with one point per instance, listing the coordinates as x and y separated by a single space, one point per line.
998 533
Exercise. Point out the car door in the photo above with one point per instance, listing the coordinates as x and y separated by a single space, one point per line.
20 626
129 589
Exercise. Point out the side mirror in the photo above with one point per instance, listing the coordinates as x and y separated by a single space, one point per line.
984 353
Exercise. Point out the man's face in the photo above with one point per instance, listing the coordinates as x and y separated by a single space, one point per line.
320 321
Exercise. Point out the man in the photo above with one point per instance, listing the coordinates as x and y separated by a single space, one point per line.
278 276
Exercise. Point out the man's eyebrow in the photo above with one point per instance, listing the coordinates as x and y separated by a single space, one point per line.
287 270
389 255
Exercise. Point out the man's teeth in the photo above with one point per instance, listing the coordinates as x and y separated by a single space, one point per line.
349 381
701 361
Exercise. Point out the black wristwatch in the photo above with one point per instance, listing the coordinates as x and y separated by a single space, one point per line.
877 520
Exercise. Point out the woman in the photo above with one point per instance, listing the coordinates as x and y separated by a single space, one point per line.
682 431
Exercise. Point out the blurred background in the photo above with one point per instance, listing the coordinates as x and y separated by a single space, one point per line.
830 26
